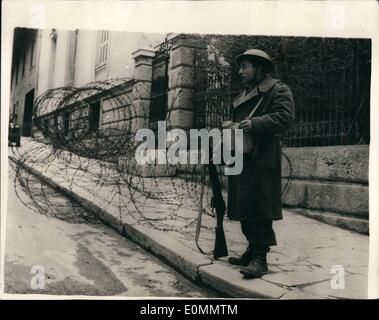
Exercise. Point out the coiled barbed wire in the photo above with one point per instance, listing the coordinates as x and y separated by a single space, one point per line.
101 159
105 155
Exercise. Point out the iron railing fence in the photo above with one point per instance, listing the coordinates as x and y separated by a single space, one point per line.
212 94
332 97
331 88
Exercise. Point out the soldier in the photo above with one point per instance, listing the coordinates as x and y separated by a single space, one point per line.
254 196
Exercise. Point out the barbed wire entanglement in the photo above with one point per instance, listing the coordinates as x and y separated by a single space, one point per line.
69 143
86 136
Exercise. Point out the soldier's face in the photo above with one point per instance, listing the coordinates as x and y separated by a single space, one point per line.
247 71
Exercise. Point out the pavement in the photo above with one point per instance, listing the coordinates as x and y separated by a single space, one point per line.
312 260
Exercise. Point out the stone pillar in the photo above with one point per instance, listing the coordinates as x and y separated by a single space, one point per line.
141 99
181 80
141 93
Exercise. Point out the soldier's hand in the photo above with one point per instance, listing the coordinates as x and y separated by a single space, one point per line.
246 125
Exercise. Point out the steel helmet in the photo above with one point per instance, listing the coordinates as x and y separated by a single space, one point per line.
255 54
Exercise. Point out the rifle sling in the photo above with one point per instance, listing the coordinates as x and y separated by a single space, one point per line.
200 212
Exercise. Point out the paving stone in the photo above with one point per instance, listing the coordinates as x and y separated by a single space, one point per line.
300 294
272 269
358 270
230 280
290 252
293 267
355 288
337 253
346 262
303 263
297 278
279 259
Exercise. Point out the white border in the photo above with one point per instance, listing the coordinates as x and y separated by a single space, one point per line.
349 19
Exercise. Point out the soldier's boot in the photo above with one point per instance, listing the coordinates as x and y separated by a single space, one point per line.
243 260
258 264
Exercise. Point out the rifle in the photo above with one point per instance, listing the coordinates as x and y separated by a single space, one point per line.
218 204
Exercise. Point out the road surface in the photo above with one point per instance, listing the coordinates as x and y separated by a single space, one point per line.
53 246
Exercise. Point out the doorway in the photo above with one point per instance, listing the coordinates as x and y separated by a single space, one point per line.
28 114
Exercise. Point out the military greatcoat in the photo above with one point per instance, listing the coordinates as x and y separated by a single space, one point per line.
256 193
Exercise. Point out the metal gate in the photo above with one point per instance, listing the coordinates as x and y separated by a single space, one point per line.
212 93
159 85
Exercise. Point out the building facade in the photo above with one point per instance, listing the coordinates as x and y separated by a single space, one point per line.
47 59
23 79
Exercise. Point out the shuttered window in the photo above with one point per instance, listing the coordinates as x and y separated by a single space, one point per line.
102 49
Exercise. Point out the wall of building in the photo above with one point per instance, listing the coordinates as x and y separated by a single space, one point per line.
25 82
52 73
50 69
121 47
85 57
120 63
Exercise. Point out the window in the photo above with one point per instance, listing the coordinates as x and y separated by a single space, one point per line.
66 123
46 125
32 53
17 67
94 116
102 49
23 64
71 56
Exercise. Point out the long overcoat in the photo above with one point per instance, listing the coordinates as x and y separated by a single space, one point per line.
256 193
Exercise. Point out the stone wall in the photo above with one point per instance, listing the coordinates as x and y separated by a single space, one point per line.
330 183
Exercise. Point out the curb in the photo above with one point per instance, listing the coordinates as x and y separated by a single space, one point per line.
193 265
